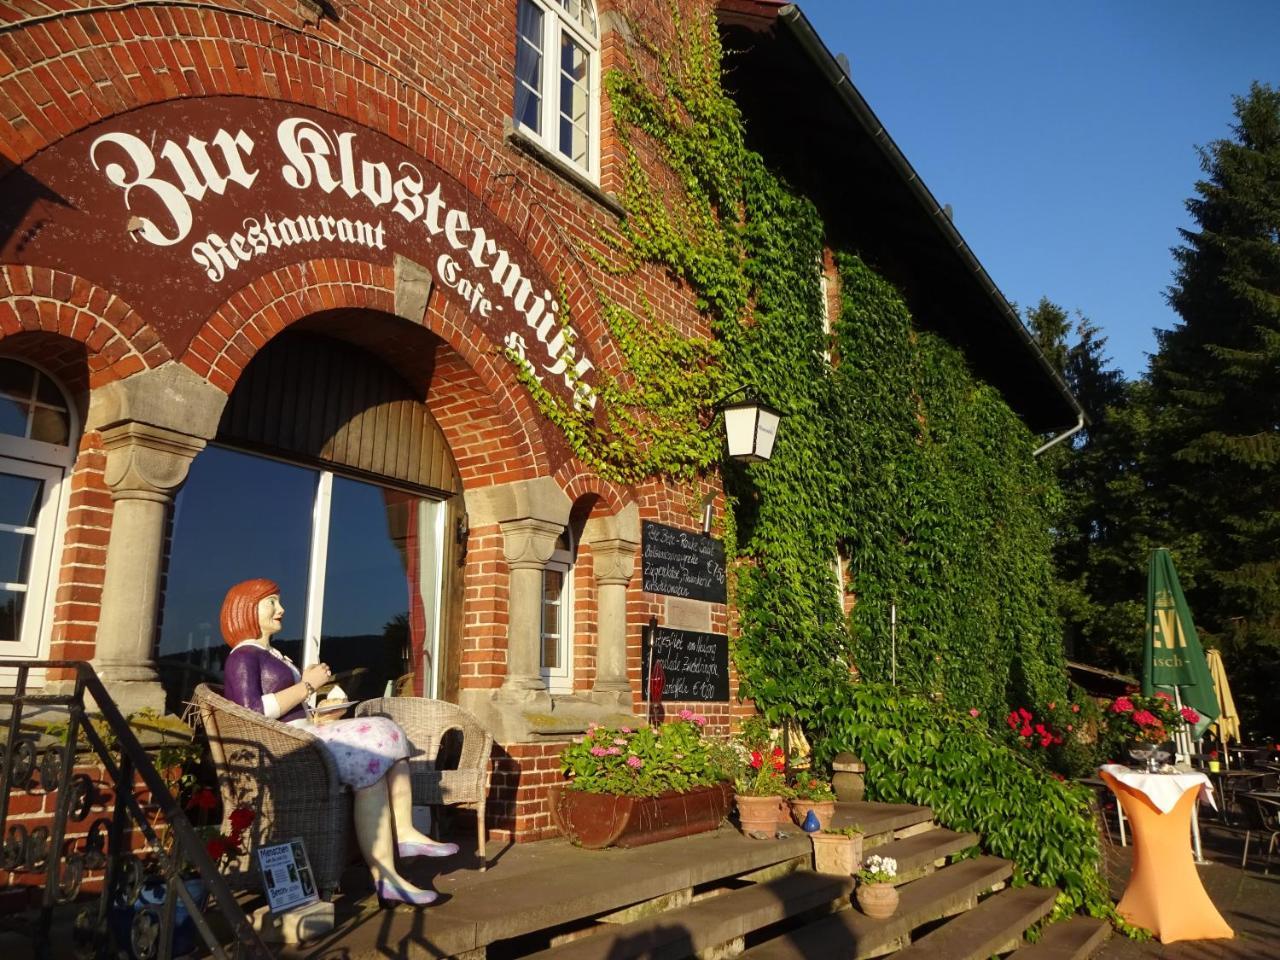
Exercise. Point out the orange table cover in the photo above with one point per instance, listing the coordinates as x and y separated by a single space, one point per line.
1164 893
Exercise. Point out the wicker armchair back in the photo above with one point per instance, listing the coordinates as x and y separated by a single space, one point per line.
286 777
426 723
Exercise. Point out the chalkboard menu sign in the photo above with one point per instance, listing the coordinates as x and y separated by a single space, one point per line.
680 563
696 665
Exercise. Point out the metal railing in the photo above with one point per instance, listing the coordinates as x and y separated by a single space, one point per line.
151 926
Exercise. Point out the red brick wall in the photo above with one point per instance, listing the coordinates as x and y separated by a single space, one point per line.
438 79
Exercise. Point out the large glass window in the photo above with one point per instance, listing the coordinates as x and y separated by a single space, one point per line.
557 78
557 617
35 453
357 565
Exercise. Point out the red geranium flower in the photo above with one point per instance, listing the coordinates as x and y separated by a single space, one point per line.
1190 715
217 848
1164 696
757 761
202 799
241 818
1122 705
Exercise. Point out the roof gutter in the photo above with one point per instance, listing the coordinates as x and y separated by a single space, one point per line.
794 19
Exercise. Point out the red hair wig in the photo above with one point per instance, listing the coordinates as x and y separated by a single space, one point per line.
240 610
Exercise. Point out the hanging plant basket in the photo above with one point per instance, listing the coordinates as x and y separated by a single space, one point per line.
597 820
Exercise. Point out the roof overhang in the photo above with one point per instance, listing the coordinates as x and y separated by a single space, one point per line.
803 113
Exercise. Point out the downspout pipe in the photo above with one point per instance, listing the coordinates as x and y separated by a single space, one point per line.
1062 436
795 20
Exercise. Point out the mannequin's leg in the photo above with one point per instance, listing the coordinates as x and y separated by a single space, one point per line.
376 837
419 844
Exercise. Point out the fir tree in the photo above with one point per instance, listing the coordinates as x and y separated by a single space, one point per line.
1215 398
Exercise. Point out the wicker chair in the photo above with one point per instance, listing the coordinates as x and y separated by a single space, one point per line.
426 722
286 777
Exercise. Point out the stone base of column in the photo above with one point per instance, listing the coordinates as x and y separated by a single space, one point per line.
612 696
133 687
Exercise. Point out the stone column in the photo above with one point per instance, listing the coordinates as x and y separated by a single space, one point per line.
527 544
145 467
614 562
152 424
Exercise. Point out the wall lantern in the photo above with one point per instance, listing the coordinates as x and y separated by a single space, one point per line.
750 427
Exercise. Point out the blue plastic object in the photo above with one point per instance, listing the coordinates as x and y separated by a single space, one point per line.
811 823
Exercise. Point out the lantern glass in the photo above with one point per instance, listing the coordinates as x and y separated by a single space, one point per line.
751 428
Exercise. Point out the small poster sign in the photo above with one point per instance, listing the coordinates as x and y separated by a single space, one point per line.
287 876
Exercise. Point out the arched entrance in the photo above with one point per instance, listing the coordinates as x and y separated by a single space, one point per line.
328 475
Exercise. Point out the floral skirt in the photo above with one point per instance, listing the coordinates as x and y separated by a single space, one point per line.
363 748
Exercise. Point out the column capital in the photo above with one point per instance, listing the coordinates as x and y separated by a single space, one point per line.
528 543
614 561
146 462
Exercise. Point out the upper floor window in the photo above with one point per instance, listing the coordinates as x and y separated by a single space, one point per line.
557 78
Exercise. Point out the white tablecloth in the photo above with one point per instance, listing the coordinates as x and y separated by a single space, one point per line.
1162 789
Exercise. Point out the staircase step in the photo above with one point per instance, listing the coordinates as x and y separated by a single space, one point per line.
920 851
993 926
853 935
1075 939
708 923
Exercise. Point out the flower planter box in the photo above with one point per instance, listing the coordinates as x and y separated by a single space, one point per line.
836 854
595 820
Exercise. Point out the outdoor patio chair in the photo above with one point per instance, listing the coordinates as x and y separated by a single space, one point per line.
436 779
1261 816
286 777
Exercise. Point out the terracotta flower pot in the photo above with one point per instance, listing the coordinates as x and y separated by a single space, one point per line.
878 901
824 810
836 854
758 814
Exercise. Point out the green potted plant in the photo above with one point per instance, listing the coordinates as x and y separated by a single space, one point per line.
630 787
837 850
877 896
812 793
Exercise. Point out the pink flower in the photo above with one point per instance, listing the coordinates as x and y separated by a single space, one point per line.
626 729
634 762
619 742
612 751
974 712
599 752
1075 708
1122 705
686 714
699 719
1190 715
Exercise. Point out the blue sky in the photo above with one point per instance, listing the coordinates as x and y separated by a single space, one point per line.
1062 134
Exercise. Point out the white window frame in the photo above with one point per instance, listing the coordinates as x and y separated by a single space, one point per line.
559 679
51 463
556 21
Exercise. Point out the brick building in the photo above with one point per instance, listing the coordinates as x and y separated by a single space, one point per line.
268 271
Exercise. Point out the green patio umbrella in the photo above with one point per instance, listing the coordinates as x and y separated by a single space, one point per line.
1172 658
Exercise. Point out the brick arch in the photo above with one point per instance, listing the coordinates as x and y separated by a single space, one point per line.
606 497
117 342
487 418
233 54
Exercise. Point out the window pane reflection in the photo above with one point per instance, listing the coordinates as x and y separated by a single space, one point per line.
373 616
11 604
237 517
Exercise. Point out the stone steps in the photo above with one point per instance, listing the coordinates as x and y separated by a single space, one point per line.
996 925
851 935
1075 939
717 921
919 854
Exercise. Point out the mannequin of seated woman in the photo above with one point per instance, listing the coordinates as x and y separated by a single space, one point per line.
369 752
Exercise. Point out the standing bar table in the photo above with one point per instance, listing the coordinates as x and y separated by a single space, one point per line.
1164 893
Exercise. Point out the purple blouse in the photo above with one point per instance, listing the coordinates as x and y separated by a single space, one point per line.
253 671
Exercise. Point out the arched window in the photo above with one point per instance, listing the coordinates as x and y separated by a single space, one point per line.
37 426
557 616
557 96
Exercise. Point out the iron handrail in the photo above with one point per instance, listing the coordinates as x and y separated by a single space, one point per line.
188 846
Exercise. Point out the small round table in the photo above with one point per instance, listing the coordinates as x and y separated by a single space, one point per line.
1164 893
